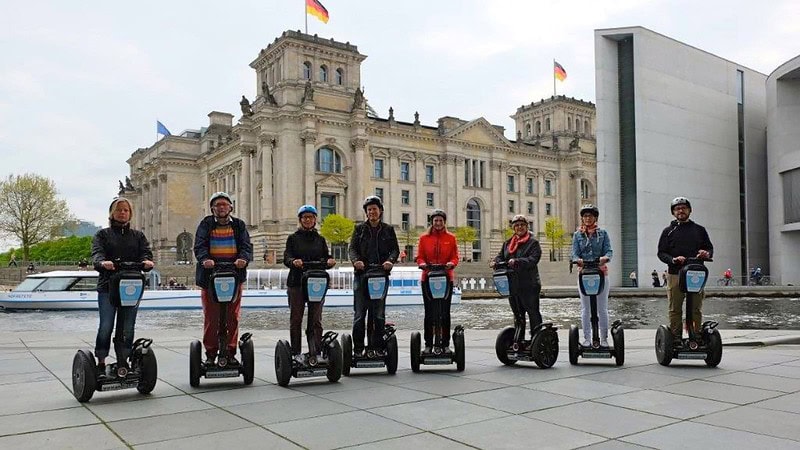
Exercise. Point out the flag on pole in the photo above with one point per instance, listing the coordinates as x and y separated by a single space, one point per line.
559 71
315 8
161 129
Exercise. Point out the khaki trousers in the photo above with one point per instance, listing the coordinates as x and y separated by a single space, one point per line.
675 297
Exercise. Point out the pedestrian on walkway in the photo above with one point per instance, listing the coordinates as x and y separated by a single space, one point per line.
654 275
632 276
12 260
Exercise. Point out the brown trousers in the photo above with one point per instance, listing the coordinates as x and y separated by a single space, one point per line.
314 324
676 297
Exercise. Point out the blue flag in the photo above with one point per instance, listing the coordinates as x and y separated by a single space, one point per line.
161 129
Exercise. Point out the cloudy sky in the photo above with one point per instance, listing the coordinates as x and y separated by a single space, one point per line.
82 83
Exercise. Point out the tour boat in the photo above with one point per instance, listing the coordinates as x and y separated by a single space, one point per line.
265 288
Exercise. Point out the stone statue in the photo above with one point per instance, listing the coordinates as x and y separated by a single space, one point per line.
555 142
575 143
184 246
308 94
519 135
267 96
391 114
128 184
358 100
416 117
247 110
121 188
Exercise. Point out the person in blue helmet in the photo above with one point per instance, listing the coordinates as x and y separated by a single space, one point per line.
304 245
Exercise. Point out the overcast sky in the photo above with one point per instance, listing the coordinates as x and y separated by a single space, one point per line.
83 82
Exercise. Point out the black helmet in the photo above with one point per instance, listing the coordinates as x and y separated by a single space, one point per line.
373 200
590 209
679 201
440 213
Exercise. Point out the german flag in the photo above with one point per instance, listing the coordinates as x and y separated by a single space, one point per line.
316 9
559 71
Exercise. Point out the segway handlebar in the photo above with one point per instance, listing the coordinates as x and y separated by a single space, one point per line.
502 265
322 264
696 260
129 265
591 263
434 267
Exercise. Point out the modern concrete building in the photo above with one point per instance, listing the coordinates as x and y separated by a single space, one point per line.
310 137
674 120
783 135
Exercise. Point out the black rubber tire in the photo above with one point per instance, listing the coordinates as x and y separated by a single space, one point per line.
460 356
248 361
391 355
84 375
663 345
283 363
573 345
501 345
195 353
545 348
714 356
334 362
149 370
347 354
618 337
416 349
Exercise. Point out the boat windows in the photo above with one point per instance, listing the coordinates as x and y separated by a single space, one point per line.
56 284
84 284
28 285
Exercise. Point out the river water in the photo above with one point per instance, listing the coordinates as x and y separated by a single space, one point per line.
731 313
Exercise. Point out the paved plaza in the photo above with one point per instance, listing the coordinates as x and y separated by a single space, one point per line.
752 400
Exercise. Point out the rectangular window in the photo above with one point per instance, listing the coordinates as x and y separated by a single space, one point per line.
530 186
404 171
510 182
405 197
511 206
429 199
548 209
233 182
379 192
483 174
327 204
530 208
791 196
467 166
429 174
548 188
475 173
404 223
378 168
740 87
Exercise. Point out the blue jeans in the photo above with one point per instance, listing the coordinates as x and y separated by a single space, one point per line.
123 337
377 317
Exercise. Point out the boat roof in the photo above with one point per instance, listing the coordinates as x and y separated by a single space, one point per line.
65 274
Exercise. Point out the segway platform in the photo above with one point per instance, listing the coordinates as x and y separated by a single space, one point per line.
329 365
438 288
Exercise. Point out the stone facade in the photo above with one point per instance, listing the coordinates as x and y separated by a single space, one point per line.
311 137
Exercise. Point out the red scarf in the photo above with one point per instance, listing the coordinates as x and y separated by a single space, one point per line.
515 241
588 230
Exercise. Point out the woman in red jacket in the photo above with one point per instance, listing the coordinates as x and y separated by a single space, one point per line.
437 246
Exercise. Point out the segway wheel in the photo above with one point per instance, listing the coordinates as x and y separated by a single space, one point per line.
347 354
573 345
619 345
663 345
195 350
248 361
84 375
334 362
283 363
714 356
503 343
391 355
149 372
545 348
458 343
416 349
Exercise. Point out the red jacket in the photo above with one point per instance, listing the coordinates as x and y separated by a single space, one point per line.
437 247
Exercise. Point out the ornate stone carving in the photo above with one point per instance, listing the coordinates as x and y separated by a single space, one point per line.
268 139
577 173
358 144
308 93
162 177
247 110
308 137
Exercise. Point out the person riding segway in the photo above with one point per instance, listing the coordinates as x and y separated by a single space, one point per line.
684 246
223 250
307 258
437 256
591 251
373 251
517 277
120 254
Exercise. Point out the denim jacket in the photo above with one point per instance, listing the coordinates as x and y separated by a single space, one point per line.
591 248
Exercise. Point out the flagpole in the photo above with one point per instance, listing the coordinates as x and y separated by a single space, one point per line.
554 77
305 14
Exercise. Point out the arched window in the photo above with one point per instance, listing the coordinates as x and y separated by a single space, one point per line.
328 161
339 76
538 127
323 73
527 129
586 127
306 70
585 190
474 221
569 123
547 124
578 125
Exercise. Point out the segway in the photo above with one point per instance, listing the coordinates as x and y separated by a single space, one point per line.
511 345
224 287
376 283
707 345
439 287
315 281
140 368
591 282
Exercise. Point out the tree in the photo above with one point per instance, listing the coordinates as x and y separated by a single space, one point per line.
466 235
409 236
337 230
554 230
30 209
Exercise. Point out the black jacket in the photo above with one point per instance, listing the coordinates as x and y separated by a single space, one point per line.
527 258
117 243
682 239
202 242
373 247
306 245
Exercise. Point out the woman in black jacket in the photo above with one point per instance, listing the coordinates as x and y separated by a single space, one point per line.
304 245
118 242
522 253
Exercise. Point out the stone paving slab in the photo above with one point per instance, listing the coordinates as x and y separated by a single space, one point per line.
721 392
596 418
340 430
756 420
438 413
684 435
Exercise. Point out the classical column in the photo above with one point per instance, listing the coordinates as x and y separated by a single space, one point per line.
244 184
498 208
360 178
163 206
573 201
267 143
145 208
420 201
392 200
460 201
309 141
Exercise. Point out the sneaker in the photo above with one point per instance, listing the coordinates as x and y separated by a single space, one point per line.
447 350
586 343
101 368
211 361
232 361
427 349
604 342
358 353
300 358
